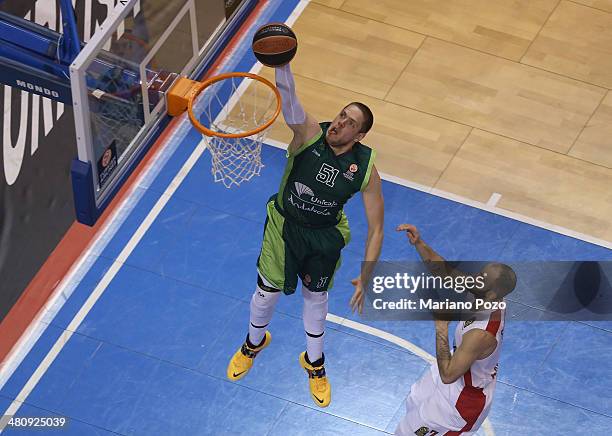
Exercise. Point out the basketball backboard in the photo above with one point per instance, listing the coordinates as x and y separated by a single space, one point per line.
118 78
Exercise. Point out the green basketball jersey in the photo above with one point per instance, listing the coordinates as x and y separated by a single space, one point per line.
317 183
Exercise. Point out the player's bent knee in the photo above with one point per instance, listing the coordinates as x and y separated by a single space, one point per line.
318 297
264 300
265 285
315 310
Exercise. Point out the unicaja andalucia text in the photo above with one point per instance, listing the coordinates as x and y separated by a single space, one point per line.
303 198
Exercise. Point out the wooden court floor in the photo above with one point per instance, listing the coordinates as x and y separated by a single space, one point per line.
475 97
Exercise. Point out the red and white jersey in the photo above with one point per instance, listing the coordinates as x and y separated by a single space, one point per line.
482 372
457 408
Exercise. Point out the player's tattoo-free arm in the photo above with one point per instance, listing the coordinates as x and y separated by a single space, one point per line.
303 125
374 206
474 345
375 213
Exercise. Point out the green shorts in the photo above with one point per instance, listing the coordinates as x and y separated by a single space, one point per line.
290 251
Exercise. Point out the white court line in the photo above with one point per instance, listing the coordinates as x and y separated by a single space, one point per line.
64 289
103 284
478 205
418 351
494 199
292 18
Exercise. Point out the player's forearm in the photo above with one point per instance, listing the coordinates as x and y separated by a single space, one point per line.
427 253
293 112
372 251
443 355
434 262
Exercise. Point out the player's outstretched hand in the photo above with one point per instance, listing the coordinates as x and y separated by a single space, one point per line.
358 297
411 232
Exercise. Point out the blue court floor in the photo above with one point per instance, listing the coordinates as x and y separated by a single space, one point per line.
150 356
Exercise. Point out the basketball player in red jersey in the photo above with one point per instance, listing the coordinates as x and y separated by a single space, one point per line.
454 397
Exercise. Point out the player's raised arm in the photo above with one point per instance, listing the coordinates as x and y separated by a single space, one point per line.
303 125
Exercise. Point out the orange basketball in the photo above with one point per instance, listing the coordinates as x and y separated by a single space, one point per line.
274 44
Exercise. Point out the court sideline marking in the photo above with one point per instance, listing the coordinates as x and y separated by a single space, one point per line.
105 281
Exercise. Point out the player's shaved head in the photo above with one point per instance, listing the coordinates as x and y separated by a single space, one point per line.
500 279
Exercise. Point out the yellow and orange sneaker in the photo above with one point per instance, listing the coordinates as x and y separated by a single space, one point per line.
320 389
242 360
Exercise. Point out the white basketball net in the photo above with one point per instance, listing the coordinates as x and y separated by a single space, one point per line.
252 104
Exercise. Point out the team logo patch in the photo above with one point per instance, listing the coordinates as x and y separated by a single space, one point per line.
353 168
106 158
307 279
107 164
301 189
349 176
468 322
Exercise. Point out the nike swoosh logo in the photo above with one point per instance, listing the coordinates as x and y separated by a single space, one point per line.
320 401
236 375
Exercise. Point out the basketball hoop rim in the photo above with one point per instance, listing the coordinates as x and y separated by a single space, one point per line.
208 82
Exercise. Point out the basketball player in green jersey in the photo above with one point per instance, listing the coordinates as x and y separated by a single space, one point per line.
306 227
